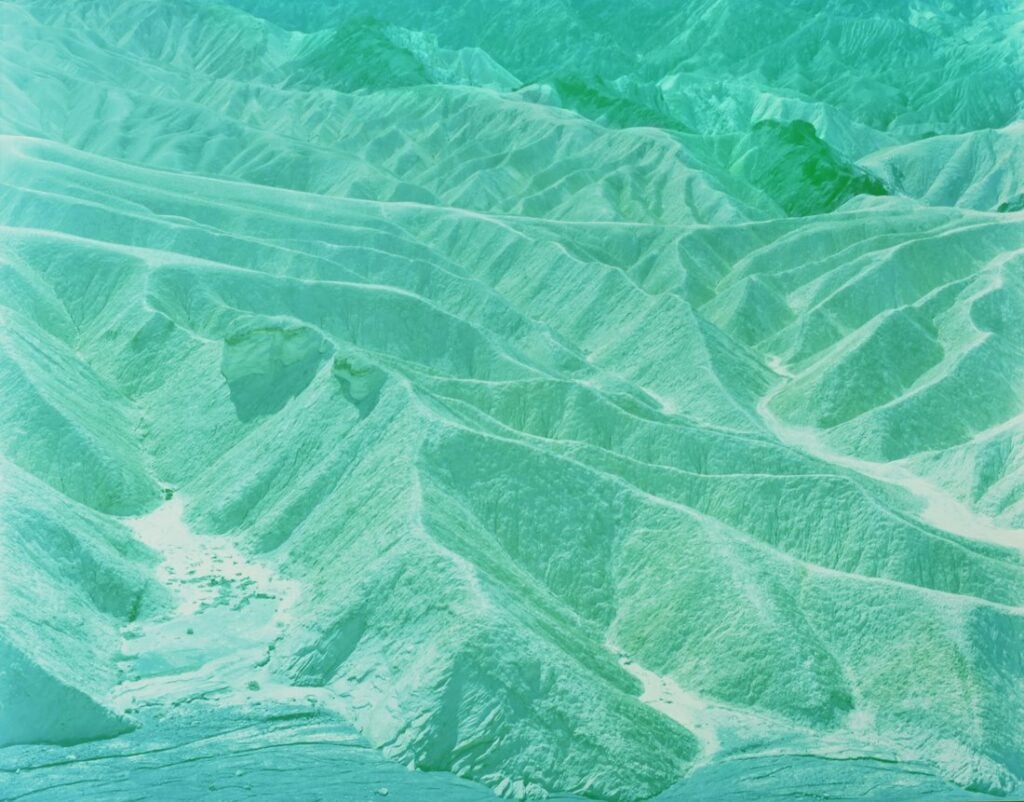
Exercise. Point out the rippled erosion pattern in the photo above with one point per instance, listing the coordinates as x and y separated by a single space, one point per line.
578 400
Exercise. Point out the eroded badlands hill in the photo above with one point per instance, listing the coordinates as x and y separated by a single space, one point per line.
620 402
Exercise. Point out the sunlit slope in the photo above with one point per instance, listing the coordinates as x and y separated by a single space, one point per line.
979 170
72 577
246 118
531 403
280 379
864 71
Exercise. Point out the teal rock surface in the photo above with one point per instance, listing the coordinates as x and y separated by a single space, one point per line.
573 400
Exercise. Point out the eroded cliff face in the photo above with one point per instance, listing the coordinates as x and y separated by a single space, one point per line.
595 401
